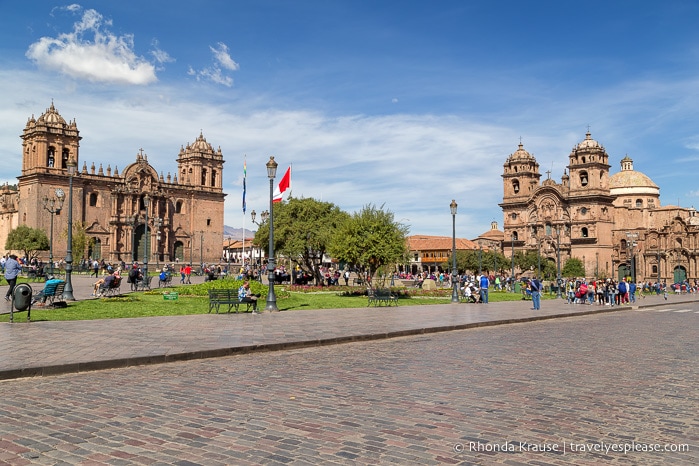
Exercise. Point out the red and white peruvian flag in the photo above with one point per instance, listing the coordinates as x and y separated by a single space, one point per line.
284 186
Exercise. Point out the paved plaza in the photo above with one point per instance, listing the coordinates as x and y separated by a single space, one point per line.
457 384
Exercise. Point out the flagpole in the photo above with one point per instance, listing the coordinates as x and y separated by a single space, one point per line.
245 176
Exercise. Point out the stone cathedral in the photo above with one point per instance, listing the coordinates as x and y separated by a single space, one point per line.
613 223
183 212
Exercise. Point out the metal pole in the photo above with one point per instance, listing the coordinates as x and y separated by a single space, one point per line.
558 262
145 248
480 258
68 289
454 271
512 280
271 297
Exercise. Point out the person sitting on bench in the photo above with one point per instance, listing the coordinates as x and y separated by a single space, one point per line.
246 296
49 290
106 282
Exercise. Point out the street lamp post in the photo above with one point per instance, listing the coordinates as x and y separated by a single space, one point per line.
538 257
480 257
157 223
454 271
632 243
54 206
263 218
558 262
512 277
271 297
132 222
72 167
146 203
201 250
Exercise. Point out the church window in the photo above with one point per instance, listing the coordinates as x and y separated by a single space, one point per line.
213 177
548 229
655 269
208 222
93 199
583 210
583 160
639 203
64 159
515 186
583 232
583 179
203 176
515 236
178 207
51 160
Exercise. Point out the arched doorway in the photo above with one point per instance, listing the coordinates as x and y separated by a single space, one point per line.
179 251
624 271
95 249
680 274
140 243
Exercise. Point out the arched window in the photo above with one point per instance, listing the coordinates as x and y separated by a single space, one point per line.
639 203
583 179
213 177
64 159
51 157
203 176
655 270
515 186
178 207
93 199
515 236
583 232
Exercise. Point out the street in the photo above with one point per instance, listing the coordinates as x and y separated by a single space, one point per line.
577 390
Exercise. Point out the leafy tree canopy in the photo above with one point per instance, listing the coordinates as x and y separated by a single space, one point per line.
27 239
370 239
573 268
303 228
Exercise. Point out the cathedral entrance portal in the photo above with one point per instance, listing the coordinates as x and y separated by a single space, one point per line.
680 274
179 251
624 271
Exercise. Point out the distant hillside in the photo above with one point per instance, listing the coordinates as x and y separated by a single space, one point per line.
236 233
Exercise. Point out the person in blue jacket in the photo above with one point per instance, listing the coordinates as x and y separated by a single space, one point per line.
12 270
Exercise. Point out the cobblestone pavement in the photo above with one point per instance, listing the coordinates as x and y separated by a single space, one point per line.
591 382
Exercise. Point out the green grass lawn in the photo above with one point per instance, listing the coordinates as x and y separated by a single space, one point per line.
193 299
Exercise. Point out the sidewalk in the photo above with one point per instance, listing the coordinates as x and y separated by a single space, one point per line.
48 348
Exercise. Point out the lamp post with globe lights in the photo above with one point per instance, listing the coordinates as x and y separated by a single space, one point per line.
271 297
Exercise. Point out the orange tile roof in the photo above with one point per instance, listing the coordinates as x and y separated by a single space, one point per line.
438 243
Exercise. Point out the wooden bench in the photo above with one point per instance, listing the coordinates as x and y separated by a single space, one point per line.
143 285
50 295
357 282
165 283
227 297
112 290
381 296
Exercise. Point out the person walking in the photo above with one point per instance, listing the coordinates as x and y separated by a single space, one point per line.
12 270
483 284
535 286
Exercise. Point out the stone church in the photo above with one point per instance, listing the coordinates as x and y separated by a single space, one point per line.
183 212
614 223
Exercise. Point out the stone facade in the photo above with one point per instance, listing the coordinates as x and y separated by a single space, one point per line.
183 213
614 224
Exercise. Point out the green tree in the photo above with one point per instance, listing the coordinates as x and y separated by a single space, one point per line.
573 268
80 240
370 239
303 228
27 239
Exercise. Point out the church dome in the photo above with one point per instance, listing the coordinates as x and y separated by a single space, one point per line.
521 154
588 143
51 117
629 181
200 145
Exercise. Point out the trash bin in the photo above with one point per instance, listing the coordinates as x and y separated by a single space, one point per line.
22 295
518 287
21 300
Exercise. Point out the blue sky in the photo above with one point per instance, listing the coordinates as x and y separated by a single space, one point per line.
406 104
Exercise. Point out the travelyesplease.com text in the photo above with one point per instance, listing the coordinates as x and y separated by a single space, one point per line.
569 447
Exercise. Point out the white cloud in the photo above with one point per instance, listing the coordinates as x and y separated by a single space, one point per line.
215 73
92 53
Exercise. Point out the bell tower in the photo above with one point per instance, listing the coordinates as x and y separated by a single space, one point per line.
198 165
588 167
48 143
